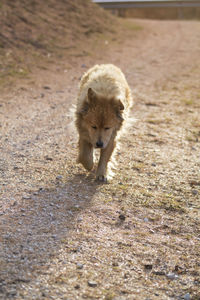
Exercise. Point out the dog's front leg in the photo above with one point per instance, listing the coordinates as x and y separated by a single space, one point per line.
85 156
103 161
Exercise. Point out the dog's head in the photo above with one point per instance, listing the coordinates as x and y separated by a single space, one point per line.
101 117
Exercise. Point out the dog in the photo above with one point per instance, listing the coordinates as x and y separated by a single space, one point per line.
103 102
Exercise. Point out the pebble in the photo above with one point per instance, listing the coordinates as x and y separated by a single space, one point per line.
160 273
194 182
92 283
186 296
194 192
77 286
12 293
26 197
122 217
146 220
79 266
44 294
80 219
148 266
172 276
48 158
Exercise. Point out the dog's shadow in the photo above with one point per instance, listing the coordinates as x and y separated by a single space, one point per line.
32 233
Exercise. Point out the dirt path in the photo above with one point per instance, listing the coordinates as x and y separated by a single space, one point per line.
63 236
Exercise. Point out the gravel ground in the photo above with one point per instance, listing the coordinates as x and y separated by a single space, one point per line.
62 235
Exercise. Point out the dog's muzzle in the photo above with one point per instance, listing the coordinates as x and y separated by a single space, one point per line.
99 144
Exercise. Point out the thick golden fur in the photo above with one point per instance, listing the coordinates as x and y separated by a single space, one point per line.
103 102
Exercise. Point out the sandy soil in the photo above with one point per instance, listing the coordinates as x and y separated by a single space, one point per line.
63 236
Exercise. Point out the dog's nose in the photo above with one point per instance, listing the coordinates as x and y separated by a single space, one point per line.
99 144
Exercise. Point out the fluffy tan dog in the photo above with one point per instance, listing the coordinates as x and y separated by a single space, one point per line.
103 102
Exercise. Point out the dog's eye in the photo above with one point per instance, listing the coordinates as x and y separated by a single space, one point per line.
106 128
94 127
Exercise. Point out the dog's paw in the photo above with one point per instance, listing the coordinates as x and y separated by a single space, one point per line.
102 178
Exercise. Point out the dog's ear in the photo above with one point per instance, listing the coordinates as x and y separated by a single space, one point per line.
91 95
119 107
89 101
84 108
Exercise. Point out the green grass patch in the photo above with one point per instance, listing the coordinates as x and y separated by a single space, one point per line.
169 202
130 25
188 101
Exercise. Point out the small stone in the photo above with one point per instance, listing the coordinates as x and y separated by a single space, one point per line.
92 283
148 266
126 275
77 286
59 177
12 293
80 219
46 87
146 220
194 182
195 192
79 266
26 197
153 165
172 276
160 273
186 296
48 158
122 217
